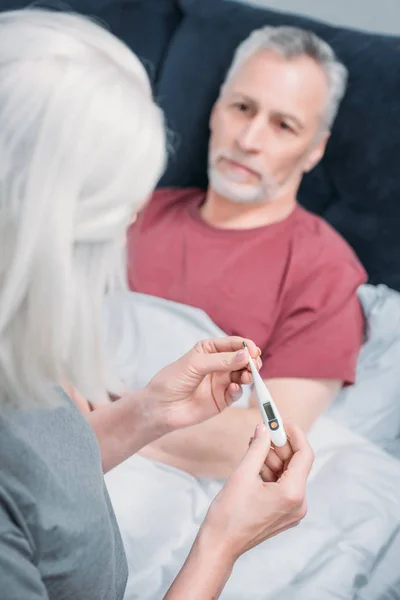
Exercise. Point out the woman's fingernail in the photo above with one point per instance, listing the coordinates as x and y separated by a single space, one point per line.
260 429
241 355
237 395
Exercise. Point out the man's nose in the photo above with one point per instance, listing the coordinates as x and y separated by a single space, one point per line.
252 135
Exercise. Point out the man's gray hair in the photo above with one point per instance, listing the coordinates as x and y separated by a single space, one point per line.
82 145
291 42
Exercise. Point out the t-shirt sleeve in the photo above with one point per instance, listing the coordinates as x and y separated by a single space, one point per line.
19 577
320 329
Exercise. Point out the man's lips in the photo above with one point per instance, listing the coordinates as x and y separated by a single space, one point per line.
239 167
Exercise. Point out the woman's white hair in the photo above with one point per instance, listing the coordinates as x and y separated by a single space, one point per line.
291 42
82 145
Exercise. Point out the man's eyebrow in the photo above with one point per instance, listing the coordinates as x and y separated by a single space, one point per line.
281 115
243 97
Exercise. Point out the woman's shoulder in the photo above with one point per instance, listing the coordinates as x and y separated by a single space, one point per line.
41 443
52 492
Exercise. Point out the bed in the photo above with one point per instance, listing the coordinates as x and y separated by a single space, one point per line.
348 545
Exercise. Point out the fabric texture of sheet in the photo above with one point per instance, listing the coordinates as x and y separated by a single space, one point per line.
342 548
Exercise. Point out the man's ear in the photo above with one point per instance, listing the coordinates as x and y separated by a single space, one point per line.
317 151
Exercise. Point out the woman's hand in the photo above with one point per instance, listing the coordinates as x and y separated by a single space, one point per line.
248 510
201 383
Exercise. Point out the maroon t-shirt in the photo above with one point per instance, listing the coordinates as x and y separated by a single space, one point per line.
290 286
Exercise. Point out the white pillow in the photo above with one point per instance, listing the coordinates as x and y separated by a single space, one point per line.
371 407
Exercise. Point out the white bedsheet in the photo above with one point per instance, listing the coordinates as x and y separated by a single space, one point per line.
353 492
354 511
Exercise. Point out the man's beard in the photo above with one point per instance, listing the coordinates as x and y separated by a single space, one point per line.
242 193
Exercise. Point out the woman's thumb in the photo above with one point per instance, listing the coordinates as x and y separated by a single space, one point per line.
258 451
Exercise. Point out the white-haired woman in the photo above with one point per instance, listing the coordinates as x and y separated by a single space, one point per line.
82 146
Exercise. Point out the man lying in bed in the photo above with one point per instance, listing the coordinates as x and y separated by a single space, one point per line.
247 254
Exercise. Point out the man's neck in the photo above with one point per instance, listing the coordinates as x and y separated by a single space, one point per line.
218 211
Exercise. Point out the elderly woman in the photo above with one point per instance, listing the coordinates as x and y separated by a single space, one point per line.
82 146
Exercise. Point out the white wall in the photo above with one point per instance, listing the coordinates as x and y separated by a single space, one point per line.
371 15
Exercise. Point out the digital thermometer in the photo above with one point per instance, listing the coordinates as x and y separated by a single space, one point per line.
269 411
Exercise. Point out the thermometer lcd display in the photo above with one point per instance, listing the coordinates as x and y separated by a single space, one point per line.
268 409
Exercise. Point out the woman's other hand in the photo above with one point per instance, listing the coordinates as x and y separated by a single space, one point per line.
249 510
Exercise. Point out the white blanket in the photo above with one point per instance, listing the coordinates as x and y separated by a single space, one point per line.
353 492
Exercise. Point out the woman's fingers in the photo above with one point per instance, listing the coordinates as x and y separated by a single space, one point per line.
298 468
267 475
254 459
246 377
224 354
227 344
274 463
285 452
204 363
272 468
233 393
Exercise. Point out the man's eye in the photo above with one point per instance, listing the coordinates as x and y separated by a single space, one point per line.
285 127
241 106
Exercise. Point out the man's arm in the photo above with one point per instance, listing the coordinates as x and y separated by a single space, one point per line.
302 400
215 448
